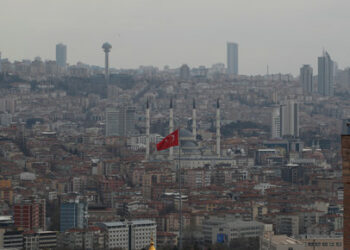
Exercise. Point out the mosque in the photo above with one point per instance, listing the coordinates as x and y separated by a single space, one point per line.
191 154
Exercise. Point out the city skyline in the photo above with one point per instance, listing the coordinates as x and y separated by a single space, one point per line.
162 67
139 40
174 125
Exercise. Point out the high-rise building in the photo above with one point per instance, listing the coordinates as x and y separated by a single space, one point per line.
184 72
275 124
30 214
289 119
306 79
111 122
0 63
232 58
73 214
61 55
325 75
120 121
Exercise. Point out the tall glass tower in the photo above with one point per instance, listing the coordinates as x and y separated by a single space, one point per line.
325 75
61 55
232 58
306 79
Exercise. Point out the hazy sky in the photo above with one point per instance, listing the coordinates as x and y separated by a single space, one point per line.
284 34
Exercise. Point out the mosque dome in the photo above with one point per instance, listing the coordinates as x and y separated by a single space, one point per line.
188 143
185 134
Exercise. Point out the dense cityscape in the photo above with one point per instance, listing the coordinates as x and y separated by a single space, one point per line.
258 164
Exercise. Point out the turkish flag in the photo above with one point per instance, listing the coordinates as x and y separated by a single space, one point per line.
169 141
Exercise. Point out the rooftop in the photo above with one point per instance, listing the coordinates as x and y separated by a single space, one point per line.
284 240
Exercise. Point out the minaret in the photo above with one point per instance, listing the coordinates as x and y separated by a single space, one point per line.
194 120
171 126
147 130
218 127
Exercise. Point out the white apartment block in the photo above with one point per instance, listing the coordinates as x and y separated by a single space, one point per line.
137 232
117 234
141 233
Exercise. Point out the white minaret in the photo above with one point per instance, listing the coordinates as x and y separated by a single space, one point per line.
194 120
147 130
171 126
218 127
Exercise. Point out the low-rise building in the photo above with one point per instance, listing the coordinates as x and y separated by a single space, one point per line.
11 239
315 242
236 229
280 242
40 240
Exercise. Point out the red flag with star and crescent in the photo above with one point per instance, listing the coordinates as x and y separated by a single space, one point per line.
169 141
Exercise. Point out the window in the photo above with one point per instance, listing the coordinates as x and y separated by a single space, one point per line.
290 248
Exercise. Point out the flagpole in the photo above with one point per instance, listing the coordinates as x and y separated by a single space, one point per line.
180 194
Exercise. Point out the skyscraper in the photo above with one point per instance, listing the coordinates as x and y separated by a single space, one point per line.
232 58
325 75
73 214
306 79
275 123
289 119
111 122
61 55
120 121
